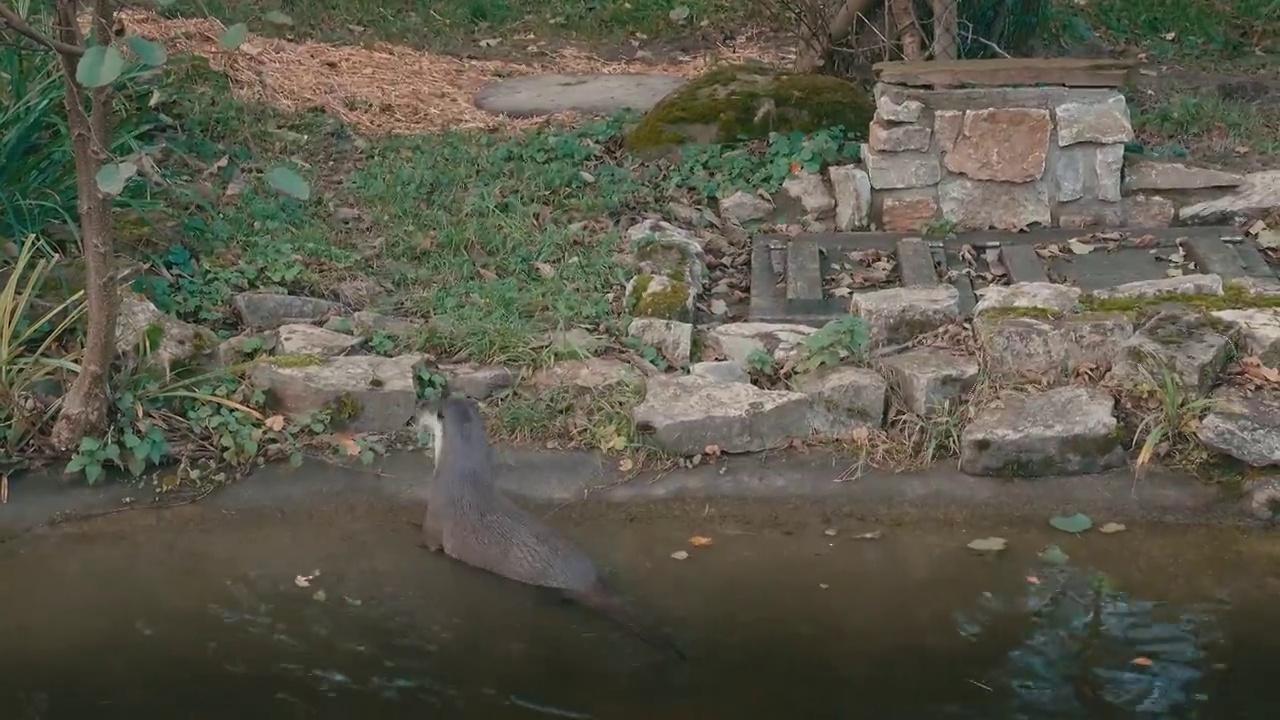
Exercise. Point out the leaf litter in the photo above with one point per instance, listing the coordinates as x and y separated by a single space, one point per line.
861 270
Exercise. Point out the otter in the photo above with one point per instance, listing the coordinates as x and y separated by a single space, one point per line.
470 520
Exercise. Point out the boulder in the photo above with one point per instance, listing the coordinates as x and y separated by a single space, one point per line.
478 381
724 371
899 315
1182 343
268 311
1198 284
1256 331
926 379
1064 431
739 341
1244 425
734 102
166 339
363 393
685 414
743 207
660 248
1023 347
586 375
844 398
674 340
1048 296
299 339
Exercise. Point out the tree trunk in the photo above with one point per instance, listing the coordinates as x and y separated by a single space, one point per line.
816 43
945 30
84 407
904 17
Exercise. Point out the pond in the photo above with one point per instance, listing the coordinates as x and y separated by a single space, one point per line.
328 612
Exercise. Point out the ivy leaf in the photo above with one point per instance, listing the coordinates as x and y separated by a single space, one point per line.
149 52
112 177
93 473
991 544
1054 555
288 182
99 66
1077 523
275 17
234 36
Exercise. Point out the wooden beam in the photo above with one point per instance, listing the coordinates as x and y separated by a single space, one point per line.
1071 72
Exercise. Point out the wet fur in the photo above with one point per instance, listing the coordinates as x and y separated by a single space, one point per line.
471 521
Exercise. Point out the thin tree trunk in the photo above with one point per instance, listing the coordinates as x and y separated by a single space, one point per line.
904 17
84 407
817 42
945 30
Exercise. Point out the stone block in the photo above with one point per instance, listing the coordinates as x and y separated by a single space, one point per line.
685 414
977 205
889 171
844 398
899 315
926 379
1001 144
1104 122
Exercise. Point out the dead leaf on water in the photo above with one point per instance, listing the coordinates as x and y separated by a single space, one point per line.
1173 272
873 535
1112 527
990 544
319 596
274 423
1079 248
303 581
680 555
1143 661
700 541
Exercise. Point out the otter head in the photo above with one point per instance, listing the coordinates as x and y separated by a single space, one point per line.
451 419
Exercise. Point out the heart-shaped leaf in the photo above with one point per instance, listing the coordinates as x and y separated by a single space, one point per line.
990 544
1077 523
99 66
234 36
275 17
1054 555
112 177
149 52
288 182
1112 527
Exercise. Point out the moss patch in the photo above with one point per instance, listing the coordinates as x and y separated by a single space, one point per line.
656 296
1232 298
740 102
293 361
346 407
1034 313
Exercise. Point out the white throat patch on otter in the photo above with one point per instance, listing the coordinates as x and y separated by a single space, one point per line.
429 421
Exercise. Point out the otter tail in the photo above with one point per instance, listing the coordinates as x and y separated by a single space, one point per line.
602 600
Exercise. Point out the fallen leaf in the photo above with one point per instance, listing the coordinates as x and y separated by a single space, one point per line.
712 450
274 423
991 544
680 555
1146 241
719 307
486 275
1143 661
489 42
873 535
699 541
1268 239
545 270
1077 523
830 532
679 14
1173 272
1112 527
626 464
993 259
1078 247
1033 579
823 586
1256 228
1054 555
302 581
320 596
347 443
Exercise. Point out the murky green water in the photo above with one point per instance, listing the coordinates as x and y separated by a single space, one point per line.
209 620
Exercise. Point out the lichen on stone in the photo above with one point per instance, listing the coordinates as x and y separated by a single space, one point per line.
293 361
657 296
734 103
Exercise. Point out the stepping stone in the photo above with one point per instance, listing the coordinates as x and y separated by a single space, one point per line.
1065 431
535 95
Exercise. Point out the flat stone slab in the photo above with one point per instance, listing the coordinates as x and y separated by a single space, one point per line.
1064 431
535 95
1244 425
687 413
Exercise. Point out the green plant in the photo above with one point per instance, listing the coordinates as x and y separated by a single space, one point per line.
761 364
1171 420
646 351
839 340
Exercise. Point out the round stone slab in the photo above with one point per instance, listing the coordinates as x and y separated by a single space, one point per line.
535 95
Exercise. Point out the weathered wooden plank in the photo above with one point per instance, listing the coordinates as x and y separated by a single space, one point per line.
1212 256
1071 72
1023 264
1254 264
804 271
915 262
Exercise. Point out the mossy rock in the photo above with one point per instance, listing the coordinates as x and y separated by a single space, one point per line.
658 296
742 102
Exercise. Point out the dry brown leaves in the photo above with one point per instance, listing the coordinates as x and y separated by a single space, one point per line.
985 268
1250 374
859 270
389 89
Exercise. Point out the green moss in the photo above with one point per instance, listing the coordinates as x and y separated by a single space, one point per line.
669 301
1034 313
346 407
153 335
1233 297
741 102
665 256
295 360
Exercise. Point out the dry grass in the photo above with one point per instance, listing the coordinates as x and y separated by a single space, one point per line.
391 89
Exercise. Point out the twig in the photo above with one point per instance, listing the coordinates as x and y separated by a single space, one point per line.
14 21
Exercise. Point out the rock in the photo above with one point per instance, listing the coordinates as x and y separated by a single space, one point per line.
1105 123
928 378
899 315
298 339
1090 214
908 111
1256 331
1070 430
1163 287
946 128
723 371
1264 499
1149 211
1142 173
1017 348
1244 425
245 346
738 341
844 398
1002 144
1042 295
852 188
268 311
478 381
1177 341
1259 193
1068 171
811 192
661 248
888 171
142 328
367 323
898 138
364 393
743 207
659 296
730 102
1109 162
1255 286
673 339
604 94
909 210
687 413
588 375
974 205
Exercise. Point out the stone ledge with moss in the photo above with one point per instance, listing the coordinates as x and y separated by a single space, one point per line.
732 103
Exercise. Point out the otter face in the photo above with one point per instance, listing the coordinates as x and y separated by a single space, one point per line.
429 417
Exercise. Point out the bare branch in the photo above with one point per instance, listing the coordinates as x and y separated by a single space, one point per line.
15 22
